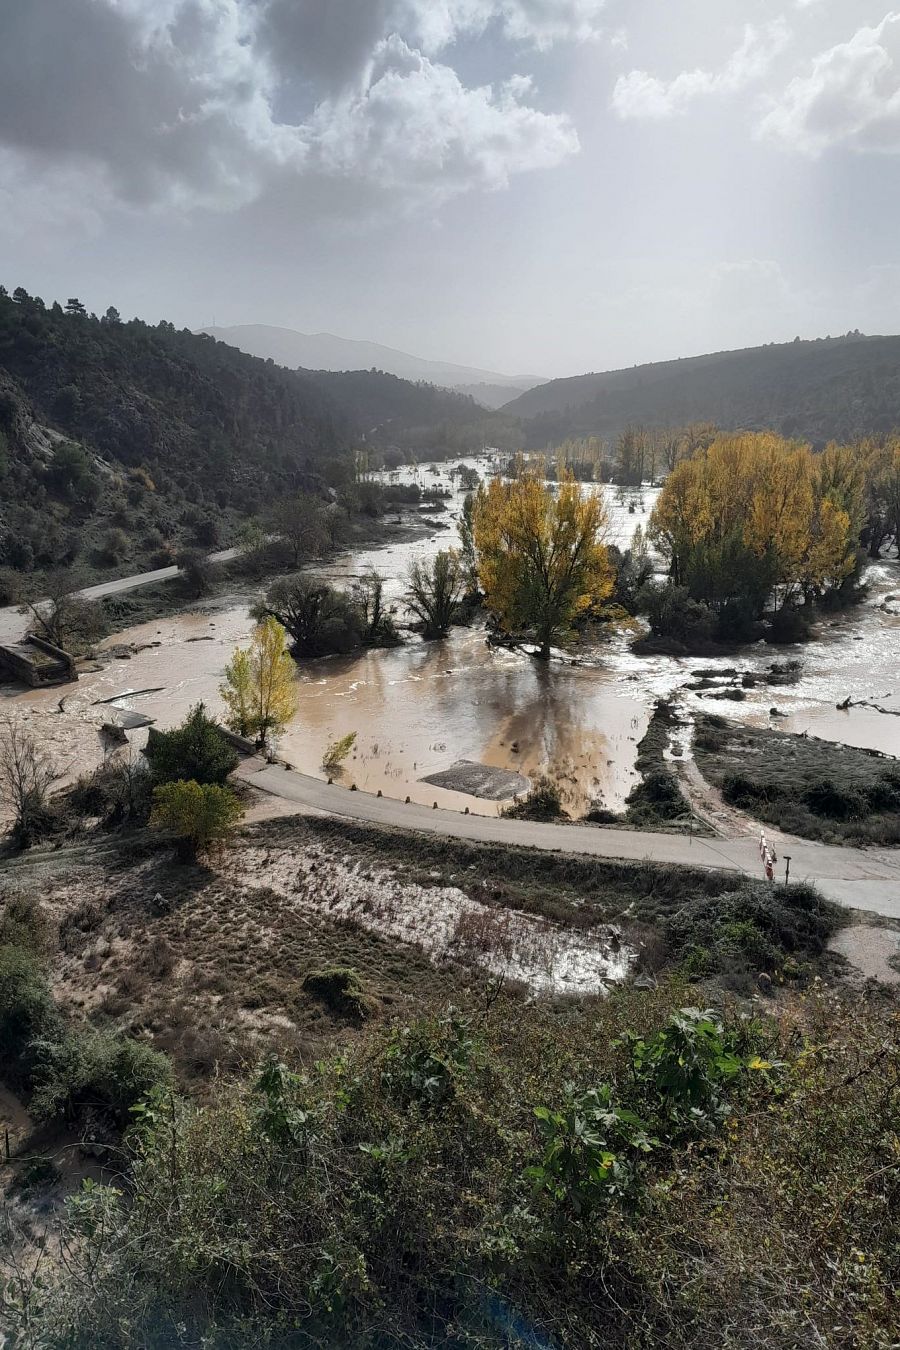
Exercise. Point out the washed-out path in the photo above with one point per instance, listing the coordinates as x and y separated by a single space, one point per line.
13 624
867 879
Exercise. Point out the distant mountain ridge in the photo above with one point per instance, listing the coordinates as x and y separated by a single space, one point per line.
829 388
325 351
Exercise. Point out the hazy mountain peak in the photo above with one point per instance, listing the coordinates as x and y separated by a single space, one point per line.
327 351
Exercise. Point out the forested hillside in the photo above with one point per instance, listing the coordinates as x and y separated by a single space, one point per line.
127 427
833 389
421 417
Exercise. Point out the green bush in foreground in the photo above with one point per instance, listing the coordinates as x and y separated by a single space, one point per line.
641 1176
66 1070
27 1013
99 1069
751 929
198 814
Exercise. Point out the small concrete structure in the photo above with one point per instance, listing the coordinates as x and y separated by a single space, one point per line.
35 661
479 780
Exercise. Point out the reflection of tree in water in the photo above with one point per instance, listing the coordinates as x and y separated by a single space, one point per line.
547 736
475 702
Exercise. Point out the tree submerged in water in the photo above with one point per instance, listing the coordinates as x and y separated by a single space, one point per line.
434 592
260 689
542 562
337 752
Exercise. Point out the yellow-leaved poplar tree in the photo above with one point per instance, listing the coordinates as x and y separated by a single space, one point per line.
540 554
831 556
755 514
260 690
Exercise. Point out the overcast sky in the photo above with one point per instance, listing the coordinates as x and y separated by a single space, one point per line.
532 186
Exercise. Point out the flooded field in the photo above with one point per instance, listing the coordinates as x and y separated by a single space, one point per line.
419 708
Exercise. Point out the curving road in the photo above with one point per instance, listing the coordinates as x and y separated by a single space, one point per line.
13 625
867 879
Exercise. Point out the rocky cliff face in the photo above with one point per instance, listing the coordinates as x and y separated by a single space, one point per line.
26 436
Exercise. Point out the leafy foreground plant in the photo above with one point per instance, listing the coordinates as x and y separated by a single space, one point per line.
197 814
697 1182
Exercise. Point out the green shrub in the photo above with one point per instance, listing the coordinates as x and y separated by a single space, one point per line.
38 1175
684 1069
592 1149
196 751
196 572
598 814
340 989
885 794
789 625
672 613
383 1197
542 802
280 1116
424 1062
27 1013
198 814
744 792
97 1069
24 923
751 929
825 798
656 799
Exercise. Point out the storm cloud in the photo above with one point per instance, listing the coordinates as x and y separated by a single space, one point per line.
522 185
208 102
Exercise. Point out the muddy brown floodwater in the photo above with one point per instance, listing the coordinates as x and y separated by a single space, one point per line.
419 708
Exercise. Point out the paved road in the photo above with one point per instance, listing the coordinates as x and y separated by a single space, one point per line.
864 879
148 578
13 624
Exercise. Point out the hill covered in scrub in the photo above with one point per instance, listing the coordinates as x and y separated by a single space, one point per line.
130 426
128 441
830 389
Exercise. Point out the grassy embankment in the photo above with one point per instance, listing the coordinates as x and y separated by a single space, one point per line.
207 962
574 1172
813 788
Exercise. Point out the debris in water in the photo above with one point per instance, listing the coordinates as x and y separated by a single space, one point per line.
126 693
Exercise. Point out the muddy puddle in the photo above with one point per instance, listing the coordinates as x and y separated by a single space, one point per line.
420 708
